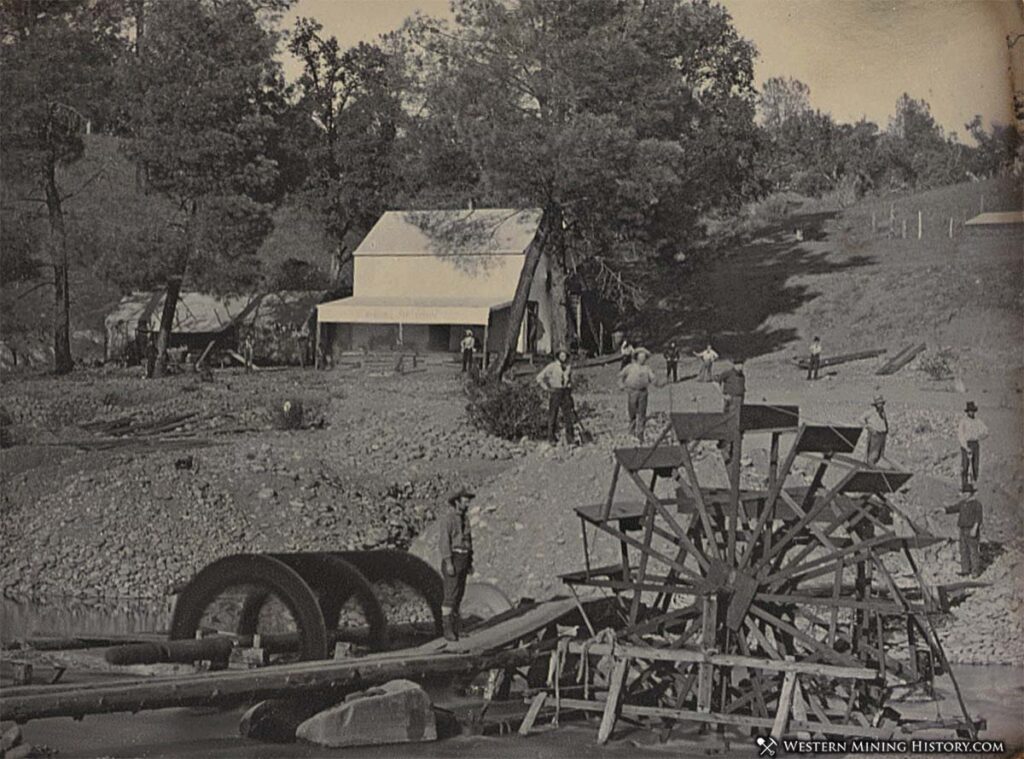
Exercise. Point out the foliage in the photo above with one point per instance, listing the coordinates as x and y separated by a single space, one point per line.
347 123
938 365
510 410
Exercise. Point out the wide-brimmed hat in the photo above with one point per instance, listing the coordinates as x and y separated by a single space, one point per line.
642 351
469 332
458 493
878 401
971 406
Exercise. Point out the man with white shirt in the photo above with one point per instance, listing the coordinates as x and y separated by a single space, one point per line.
556 379
707 357
877 425
970 432
467 345
636 379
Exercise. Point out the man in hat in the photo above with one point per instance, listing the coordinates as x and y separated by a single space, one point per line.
556 380
815 363
455 545
970 432
672 362
636 379
707 357
968 521
468 344
877 425
733 383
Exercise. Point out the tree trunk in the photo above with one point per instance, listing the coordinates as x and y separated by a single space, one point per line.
58 243
559 305
550 225
163 339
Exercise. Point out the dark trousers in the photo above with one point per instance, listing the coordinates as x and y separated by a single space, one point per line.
814 366
672 370
970 552
706 368
467 359
637 407
455 585
876 447
970 461
560 402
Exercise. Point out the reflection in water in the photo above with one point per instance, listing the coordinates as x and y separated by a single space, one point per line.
77 616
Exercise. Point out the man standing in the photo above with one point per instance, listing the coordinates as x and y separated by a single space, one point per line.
707 363
970 432
468 344
625 353
455 545
733 383
969 523
636 379
815 363
672 362
556 379
877 425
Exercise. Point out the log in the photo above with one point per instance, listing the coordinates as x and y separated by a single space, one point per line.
901 359
228 688
842 358
240 359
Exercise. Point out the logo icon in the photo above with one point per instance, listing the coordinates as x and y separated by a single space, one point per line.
769 746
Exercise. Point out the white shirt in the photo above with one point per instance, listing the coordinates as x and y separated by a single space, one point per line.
554 376
970 429
637 377
626 349
874 421
708 354
815 349
468 342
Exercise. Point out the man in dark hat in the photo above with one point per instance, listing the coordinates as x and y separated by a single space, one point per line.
877 425
970 432
672 362
969 523
814 365
556 380
455 545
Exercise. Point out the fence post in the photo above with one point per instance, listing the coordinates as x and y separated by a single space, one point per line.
873 227
904 229
950 227
920 227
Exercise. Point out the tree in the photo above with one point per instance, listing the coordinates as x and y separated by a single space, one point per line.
920 153
350 113
782 98
203 111
996 149
621 121
56 64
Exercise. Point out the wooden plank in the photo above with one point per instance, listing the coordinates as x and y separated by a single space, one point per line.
702 425
705 670
901 359
800 710
611 708
231 687
781 721
531 714
828 439
682 715
639 459
668 561
701 503
760 418
681 537
606 512
509 631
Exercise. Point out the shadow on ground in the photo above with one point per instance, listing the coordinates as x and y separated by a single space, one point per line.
729 299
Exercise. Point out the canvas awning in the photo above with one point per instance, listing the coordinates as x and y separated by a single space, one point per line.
373 310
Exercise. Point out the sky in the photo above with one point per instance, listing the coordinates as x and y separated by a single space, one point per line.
857 56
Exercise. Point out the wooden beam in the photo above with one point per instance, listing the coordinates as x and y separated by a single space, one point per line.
781 721
531 714
611 708
672 523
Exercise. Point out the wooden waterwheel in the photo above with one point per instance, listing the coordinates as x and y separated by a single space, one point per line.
769 610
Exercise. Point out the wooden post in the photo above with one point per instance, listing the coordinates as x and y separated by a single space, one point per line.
319 347
611 707
904 229
600 338
705 670
982 204
874 228
785 702
773 460
486 328
950 227
920 225
531 714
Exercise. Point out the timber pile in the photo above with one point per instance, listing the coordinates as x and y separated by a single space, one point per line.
843 358
901 359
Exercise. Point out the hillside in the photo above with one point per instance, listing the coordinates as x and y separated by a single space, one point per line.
111 226
857 288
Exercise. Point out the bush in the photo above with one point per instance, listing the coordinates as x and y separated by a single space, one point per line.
938 365
287 414
510 410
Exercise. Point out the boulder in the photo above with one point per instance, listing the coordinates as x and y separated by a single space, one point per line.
396 712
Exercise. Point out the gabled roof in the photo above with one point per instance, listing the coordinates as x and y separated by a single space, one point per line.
481 232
